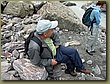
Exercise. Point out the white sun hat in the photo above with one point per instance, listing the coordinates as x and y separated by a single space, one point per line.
44 25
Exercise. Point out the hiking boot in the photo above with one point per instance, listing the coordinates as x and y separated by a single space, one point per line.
70 72
84 71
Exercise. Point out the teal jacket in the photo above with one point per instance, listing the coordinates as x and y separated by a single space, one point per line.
96 13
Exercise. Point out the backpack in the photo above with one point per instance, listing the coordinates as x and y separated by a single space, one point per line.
27 41
86 18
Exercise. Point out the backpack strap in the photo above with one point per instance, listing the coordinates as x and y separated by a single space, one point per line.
35 39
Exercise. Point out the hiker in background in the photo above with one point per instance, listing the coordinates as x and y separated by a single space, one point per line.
94 28
44 56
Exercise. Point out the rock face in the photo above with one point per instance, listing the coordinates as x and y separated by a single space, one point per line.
28 71
56 11
18 9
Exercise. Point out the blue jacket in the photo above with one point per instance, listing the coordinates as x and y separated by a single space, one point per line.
97 14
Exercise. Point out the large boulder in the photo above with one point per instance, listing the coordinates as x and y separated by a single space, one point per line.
54 10
19 8
28 71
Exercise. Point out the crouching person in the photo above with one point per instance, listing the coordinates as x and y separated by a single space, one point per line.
67 55
38 51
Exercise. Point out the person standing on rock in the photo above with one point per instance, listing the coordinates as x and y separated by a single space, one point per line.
45 58
93 34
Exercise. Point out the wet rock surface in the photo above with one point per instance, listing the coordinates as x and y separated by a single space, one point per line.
15 29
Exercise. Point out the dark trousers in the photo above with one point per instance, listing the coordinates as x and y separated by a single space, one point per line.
70 57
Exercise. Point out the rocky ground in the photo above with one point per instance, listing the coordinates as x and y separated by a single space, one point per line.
14 29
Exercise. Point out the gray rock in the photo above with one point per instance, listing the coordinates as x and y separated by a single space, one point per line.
83 60
74 42
4 66
27 20
89 62
28 28
8 26
16 20
66 17
3 22
21 55
15 54
69 3
103 54
5 19
98 78
6 54
9 76
17 8
37 5
35 16
97 70
28 71
18 26
82 76
94 78
91 77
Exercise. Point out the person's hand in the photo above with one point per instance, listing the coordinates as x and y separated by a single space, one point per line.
54 62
